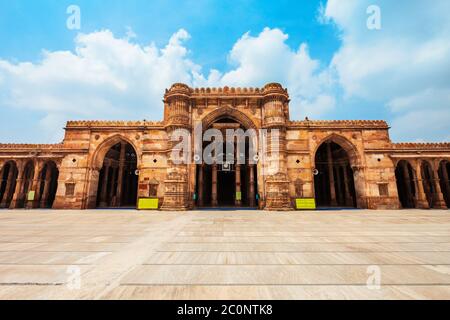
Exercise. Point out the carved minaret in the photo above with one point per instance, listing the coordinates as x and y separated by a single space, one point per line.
177 118
275 116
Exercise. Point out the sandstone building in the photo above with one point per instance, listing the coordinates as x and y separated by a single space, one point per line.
104 164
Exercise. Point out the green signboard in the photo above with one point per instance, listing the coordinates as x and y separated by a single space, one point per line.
31 195
238 196
148 204
305 204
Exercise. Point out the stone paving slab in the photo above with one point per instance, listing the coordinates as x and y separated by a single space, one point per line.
126 254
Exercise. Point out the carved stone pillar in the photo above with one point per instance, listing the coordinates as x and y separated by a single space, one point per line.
29 204
251 194
439 202
128 179
214 201
47 185
9 184
340 197
333 201
113 189
201 185
120 173
104 194
19 186
348 196
421 199
446 181
275 176
178 193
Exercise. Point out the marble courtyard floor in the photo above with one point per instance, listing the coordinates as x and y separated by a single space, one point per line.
115 254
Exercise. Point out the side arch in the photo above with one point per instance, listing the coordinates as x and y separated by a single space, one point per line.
444 169
405 180
101 151
340 179
48 184
347 145
8 178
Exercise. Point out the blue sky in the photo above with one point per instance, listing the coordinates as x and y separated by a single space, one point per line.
332 64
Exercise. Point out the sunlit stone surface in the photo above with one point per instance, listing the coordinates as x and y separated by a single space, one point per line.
124 254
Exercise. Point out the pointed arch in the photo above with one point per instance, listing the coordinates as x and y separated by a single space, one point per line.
339 181
443 173
105 146
344 143
235 184
228 112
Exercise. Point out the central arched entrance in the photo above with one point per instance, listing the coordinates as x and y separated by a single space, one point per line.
118 180
333 181
225 183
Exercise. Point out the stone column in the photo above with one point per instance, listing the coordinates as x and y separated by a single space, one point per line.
445 177
19 185
200 186
33 187
104 194
237 202
331 174
439 202
348 196
47 184
120 173
251 194
339 193
9 183
421 199
1 184
2 169
408 184
214 201
113 180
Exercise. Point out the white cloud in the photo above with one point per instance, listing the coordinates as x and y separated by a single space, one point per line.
106 77
265 58
405 66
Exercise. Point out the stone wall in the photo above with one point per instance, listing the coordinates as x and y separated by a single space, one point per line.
372 155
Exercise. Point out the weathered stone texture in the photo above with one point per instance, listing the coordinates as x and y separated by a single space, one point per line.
371 156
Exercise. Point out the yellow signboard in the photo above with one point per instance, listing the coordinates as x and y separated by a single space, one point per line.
31 195
305 204
238 196
148 204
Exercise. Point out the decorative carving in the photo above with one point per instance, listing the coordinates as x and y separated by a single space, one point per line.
347 124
